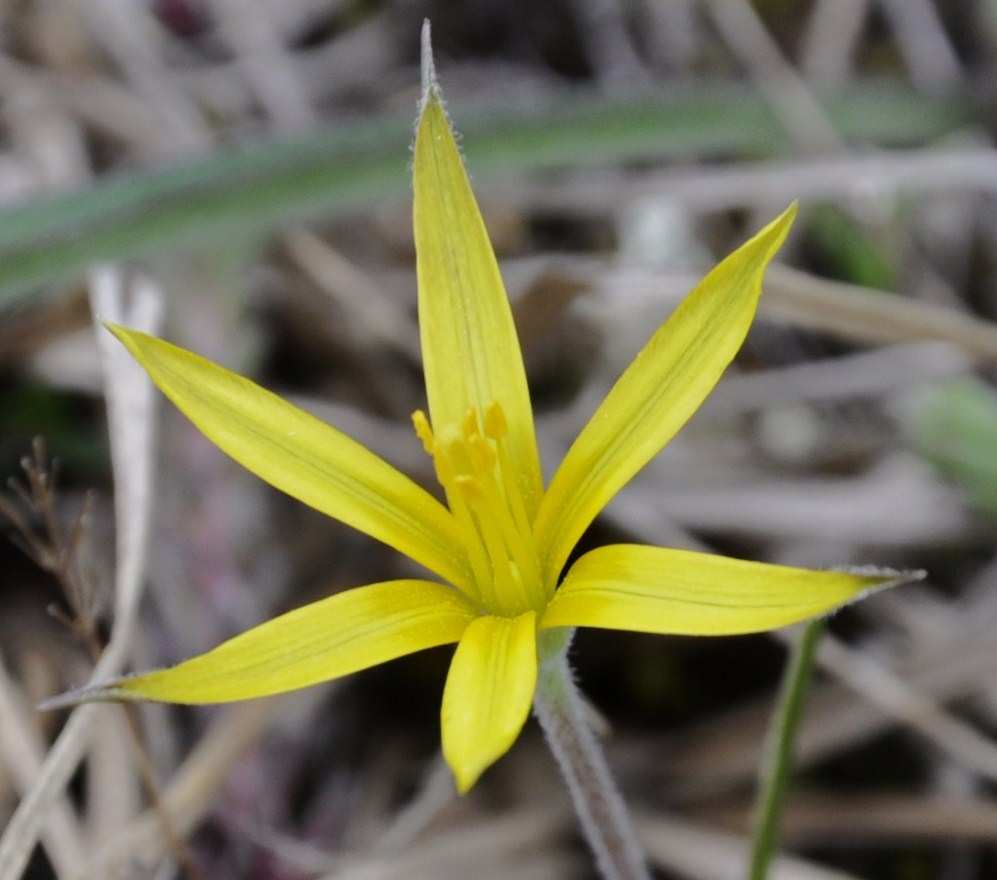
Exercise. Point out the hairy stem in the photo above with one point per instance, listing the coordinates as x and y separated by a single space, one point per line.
603 815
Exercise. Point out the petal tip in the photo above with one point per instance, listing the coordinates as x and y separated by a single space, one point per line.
130 339
60 701
432 113
107 692
466 777
889 577
430 85
779 228
116 329
885 576
878 579
468 764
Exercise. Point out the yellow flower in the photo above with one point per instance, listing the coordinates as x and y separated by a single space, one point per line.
501 542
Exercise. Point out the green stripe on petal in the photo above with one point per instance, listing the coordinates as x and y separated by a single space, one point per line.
345 633
303 456
657 394
470 349
488 693
660 590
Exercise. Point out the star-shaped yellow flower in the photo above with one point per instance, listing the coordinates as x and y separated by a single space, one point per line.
500 543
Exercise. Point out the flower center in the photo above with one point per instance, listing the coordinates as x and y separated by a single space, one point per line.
473 467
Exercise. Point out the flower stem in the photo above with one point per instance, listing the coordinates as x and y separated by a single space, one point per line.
603 815
775 772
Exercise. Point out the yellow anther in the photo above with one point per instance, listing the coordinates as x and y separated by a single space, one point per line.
423 431
496 426
469 426
444 470
474 469
471 489
455 449
482 455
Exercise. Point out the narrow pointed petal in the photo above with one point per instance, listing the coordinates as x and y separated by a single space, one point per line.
659 590
656 395
470 349
304 457
488 693
327 639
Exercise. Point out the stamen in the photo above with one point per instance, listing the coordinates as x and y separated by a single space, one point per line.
482 455
476 473
470 489
496 426
423 431
476 554
517 511
470 424
455 448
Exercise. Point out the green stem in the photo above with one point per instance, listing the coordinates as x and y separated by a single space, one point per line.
600 808
779 752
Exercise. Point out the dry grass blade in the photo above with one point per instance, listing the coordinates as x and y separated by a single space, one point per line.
435 795
834 30
773 184
702 854
967 747
488 849
869 315
135 39
826 818
899 506
189 795
373 317
130 412
23 751
266 63
926 47
131 422
932 666
253 157
880 372
788 93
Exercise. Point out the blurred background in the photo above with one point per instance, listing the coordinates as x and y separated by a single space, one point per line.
234 175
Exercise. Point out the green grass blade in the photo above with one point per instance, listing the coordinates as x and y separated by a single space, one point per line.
254 189
778 762
954 426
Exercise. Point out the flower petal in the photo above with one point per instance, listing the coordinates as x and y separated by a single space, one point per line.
303 456
488 693
660 590
327 639
470 349
656 395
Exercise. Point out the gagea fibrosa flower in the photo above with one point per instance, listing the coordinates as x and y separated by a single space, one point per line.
498 547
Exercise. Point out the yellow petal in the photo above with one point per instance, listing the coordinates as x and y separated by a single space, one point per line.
303 456
470 350
488 693
656 395
659 590
327 639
